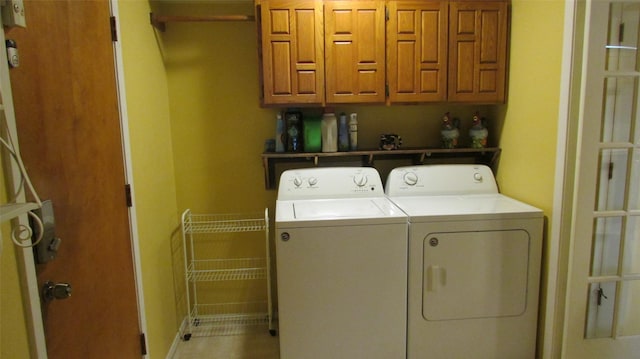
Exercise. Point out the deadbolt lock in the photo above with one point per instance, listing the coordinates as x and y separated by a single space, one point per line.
51 291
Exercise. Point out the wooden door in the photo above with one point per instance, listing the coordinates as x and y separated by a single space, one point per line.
603 312
292 52
69 132
417 51
478 51
354 51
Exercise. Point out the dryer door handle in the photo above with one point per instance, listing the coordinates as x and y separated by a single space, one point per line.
434 278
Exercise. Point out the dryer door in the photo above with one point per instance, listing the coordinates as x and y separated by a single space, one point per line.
479 274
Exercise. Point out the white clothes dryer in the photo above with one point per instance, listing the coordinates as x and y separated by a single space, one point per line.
474 264
341 249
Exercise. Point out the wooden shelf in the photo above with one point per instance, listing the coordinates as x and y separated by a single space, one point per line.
160 21
487 156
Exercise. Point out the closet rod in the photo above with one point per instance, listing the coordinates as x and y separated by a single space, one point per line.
159 21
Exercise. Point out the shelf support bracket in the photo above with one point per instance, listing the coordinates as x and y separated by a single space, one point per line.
268 172
160 25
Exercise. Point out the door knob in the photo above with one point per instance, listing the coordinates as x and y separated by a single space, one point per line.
51 291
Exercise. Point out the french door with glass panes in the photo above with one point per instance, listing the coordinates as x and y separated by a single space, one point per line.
603 317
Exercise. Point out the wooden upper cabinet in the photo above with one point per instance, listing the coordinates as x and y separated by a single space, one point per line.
417 51
477 51
333 51
292 52
355 51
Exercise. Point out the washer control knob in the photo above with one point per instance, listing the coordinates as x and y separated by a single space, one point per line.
297 181
410 178
477 177
313 181
360 180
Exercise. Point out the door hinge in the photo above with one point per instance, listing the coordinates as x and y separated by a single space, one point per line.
610 170
143 344
114 32
386 14
386 90
127 194
621 33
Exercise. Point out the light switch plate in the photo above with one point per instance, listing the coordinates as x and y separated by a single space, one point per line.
13 13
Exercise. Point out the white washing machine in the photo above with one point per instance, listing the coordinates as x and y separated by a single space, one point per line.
474 264
341 249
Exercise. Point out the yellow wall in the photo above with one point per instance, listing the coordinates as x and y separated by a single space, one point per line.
528 134
218 130
153 171
528 137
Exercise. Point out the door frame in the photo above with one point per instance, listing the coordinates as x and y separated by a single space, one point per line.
26 260
128 170
559 241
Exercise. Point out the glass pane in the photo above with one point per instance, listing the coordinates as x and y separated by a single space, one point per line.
618 109
631 263
634 189
623 37
629 316
606 246
612 176
600 310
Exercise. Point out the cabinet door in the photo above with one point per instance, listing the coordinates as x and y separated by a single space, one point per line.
354 51
417 51
477 51
292 52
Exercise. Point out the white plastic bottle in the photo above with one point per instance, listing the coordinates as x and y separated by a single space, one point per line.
329 132
353 132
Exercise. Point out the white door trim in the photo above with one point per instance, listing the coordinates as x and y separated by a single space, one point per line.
558 253
126 149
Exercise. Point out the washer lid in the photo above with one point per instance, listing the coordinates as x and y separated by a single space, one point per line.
454 207
346 211
333 209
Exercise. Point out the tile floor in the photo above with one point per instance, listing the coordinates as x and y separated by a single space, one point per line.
257 344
